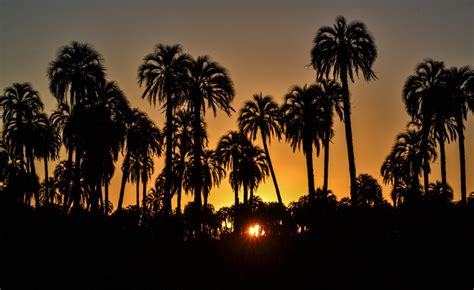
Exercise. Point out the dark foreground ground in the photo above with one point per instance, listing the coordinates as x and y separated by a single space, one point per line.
428 250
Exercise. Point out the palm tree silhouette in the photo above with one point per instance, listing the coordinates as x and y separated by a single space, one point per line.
344 49
458 80
73 76
302 124
425 96
22 116
439 194
262 115
163 72
230 148
329 101
402 168
369 191
207 84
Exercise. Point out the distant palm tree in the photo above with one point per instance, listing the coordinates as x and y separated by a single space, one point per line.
438 194
74 76
163 72
262 115
426 100
230 148
343 50
458 85
208 84
330 101
301 119
212 173
253 169
47 146
369 191
21 106
402 166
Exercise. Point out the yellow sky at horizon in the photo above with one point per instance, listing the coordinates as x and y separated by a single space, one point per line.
266 51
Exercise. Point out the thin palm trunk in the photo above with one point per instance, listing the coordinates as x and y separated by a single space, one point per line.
125 174
137 172
424 146
33 174
76 180
308 152
246 196
443 159
68 191
144 181
106 190
197 164
180 181
348 130
169 152
272 172
236 196
462 158
326 163
206 194
46 184
251 200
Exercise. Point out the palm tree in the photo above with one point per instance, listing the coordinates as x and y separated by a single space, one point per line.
458 82
402 166
369 191
47 147
344 49
163 73
262 115
302 124
329 101
74 76
143 141
21 106
439 194
425 98
207 84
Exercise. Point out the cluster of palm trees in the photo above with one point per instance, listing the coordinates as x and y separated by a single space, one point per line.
437 99
95 124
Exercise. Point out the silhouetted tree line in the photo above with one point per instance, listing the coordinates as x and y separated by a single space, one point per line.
94 124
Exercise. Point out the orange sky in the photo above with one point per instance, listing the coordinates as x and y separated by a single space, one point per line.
265 47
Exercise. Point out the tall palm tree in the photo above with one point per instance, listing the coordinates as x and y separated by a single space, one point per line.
262 115
425 96
21 107
163 72
343 50
330 101
458 85
208 85
302 125
74 76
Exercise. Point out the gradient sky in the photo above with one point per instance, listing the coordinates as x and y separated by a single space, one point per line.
265 45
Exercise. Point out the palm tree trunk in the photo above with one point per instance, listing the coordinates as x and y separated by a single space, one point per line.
106 190
272 172
348 129
246 196
138 188
206 194
251 200
144 181
236 197
462 158
169 153
68 176
308 152
125 174
424 145
33 174
46 185
197 164
443 159
77 179
326 163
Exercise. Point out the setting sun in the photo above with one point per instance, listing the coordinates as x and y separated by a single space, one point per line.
256 231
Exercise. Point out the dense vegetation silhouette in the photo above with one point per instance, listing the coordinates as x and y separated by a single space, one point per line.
317 241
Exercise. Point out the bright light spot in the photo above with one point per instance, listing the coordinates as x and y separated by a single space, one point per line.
256 231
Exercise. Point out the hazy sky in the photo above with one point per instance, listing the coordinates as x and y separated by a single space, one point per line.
265 45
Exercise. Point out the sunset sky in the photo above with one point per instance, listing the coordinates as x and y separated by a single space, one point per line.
265 45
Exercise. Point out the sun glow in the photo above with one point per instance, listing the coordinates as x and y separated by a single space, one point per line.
256 231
